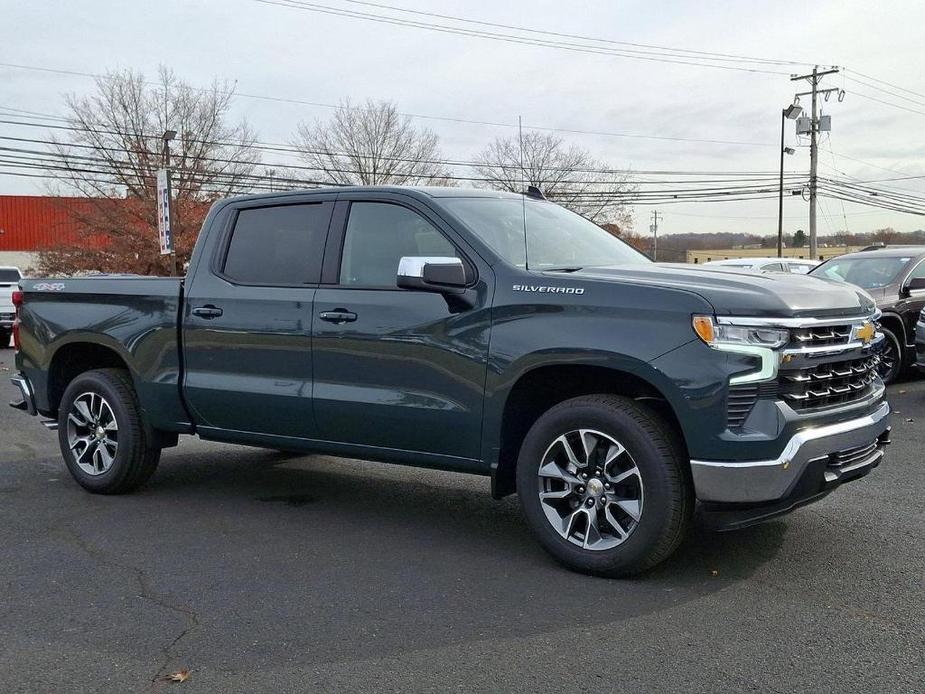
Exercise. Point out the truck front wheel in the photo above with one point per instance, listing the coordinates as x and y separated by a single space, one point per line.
602 484
101 436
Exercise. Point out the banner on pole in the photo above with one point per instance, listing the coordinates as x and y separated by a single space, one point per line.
164 231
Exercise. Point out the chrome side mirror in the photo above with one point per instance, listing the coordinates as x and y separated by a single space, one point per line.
444 275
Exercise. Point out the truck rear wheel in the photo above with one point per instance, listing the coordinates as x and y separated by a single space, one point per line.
101 436
602 484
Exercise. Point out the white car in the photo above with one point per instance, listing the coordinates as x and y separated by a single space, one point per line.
9 282
797 266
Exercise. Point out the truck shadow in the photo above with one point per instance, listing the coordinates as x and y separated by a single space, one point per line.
424 559
450 509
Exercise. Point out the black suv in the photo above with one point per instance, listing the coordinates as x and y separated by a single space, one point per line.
895 277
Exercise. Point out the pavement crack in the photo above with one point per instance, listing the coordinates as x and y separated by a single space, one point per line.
145 592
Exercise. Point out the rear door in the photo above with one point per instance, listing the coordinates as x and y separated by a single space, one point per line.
396 368
247 318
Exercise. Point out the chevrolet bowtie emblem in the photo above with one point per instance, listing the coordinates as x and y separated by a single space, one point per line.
865 332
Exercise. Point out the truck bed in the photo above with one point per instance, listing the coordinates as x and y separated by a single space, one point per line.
133 317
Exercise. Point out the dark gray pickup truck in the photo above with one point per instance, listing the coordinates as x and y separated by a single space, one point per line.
487 333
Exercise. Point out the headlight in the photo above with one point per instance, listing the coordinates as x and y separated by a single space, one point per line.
715 334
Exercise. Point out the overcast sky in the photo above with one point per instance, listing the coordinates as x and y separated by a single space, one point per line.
285 52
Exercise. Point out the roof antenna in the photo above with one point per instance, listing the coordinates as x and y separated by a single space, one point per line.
523 183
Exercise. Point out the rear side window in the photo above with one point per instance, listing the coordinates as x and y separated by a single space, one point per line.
9 275
378 235
278 245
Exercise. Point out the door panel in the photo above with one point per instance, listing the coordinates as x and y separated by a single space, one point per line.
407 373
247 345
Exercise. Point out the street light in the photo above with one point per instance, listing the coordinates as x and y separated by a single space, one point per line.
166 138
789 113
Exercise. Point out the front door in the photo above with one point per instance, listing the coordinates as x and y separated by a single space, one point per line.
248 317
911 302
395 368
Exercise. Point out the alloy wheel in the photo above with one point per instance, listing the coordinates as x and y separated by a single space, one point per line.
92 433
590 489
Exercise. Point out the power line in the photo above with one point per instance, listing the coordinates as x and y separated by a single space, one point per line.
869 85
419 116
889 84
294 150
506 38
576 36
887 103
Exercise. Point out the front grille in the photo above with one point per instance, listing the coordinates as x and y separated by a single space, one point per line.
7 316
820 337
828 384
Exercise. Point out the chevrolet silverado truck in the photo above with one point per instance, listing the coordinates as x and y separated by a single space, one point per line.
480 332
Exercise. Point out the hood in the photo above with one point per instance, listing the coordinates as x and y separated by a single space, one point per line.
744 293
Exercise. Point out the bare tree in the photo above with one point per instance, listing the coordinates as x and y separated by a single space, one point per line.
886 235
565 173
112 157
371 145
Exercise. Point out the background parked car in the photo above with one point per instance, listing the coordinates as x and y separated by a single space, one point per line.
796 266
9 281
895 278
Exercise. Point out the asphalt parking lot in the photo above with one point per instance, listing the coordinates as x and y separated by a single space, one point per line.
259 571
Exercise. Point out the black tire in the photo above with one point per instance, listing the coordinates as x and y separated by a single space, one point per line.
668 496
135 460
892 357
5 336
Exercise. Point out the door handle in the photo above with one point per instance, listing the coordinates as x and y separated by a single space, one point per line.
208 312
340 315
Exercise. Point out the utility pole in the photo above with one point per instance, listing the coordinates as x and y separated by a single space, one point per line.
813 79
654 229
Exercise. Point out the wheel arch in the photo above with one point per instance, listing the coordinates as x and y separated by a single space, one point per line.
894 323
538 389
75 357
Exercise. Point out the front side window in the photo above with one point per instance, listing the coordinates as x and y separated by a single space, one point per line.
278 245
541 235
918 272
378 236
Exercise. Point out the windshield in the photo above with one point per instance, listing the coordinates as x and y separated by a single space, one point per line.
9 275
867 273
556 238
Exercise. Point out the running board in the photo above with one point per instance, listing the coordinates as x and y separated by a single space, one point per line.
50 424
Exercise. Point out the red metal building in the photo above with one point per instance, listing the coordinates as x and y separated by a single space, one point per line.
30 223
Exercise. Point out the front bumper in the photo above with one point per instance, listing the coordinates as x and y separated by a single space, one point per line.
814 461
27 403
